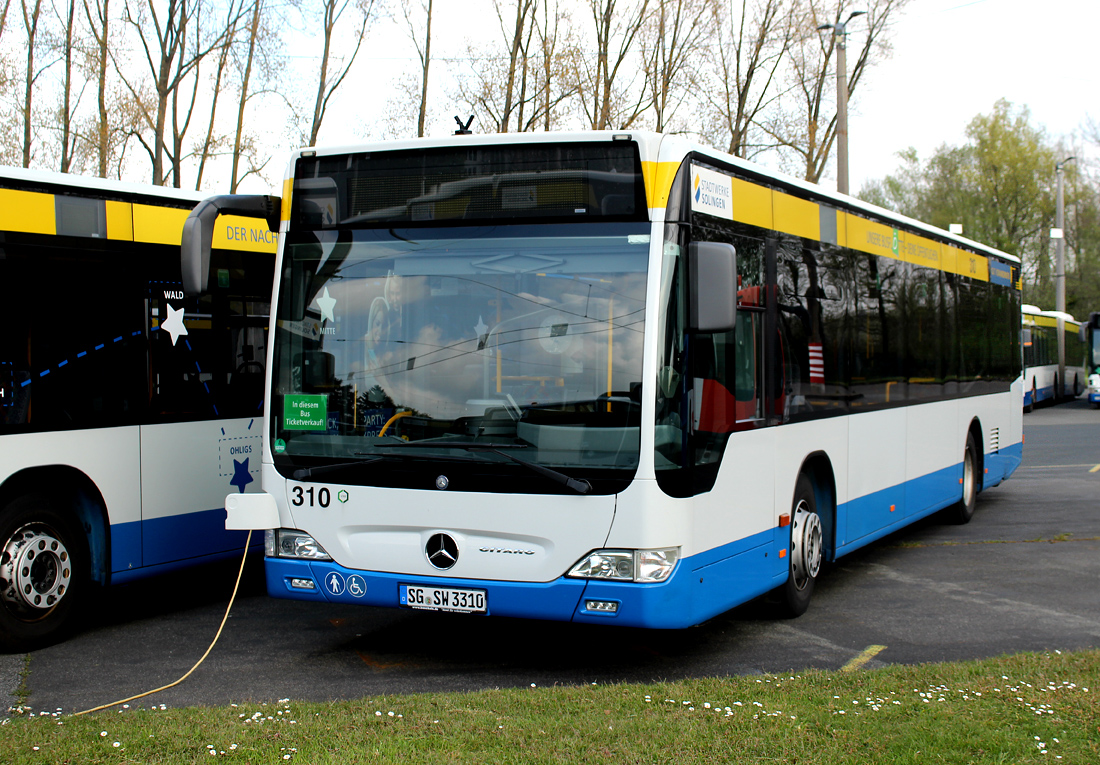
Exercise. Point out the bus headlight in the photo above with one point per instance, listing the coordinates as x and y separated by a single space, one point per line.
288 543
627 565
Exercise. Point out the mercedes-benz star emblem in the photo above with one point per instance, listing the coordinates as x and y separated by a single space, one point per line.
442 551
442 482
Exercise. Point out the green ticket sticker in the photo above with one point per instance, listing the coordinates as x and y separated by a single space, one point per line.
305 411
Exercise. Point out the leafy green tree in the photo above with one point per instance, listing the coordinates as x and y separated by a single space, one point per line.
1000 185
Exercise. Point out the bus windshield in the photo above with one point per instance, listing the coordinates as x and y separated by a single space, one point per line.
521 337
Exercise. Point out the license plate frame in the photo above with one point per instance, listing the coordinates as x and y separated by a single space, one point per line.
458 600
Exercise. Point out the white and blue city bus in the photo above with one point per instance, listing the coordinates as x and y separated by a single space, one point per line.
127 410
612 378
1040 345
1092 358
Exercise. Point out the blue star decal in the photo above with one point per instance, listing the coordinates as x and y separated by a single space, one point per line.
241 477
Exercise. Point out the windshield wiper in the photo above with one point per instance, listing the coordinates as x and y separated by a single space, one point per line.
581 487
304 474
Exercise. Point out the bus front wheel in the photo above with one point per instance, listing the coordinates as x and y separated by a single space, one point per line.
806 549
42 564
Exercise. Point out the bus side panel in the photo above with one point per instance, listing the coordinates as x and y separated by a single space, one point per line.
794 444
876 472
740 504
108 457
934 456
187 469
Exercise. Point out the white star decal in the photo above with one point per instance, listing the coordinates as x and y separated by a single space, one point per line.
173 325
326 304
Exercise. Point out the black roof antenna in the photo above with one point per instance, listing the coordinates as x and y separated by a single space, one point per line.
464 129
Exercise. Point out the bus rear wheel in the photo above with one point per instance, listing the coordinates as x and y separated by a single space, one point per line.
42 564
963 510
806 550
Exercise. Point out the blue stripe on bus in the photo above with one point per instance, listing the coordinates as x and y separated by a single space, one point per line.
175 538
701 587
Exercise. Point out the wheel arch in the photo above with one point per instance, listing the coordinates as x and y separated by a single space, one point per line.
76 495
819 468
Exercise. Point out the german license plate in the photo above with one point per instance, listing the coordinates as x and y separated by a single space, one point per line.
443 599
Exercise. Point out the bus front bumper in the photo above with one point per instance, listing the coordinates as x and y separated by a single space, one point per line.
659 606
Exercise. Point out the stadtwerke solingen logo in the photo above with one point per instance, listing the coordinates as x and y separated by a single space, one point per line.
712 193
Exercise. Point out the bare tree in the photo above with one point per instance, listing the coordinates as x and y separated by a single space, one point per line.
327 83
674 34
68 135
242 143
421 36
749 44
31 17
807 134
497 90
234 14
99 25
557 47
610 96
164 39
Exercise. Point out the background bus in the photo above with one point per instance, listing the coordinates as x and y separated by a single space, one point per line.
127 410
1092 343
1040 341
612 378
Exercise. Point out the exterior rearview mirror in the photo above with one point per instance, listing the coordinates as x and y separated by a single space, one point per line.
713 278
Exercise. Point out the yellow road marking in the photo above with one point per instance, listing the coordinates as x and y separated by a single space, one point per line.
1095 468
868 653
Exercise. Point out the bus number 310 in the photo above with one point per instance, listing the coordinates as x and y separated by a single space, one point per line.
304 496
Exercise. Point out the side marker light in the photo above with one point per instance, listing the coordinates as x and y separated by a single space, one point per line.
784 520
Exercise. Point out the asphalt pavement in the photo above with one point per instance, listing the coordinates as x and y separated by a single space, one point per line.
1021 576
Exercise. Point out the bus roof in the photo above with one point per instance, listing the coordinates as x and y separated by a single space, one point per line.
652 146
105 186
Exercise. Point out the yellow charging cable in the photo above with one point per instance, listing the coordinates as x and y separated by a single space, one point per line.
225 618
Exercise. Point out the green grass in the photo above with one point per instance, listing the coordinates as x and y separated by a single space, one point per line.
1029 708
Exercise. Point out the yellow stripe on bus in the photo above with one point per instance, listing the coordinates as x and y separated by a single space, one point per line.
752 204
30 212
236 232
658 178
158 225
799 217
120 220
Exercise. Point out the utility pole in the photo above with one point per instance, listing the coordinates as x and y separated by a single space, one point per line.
840 33
1058 234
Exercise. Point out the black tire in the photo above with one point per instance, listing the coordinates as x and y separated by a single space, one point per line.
43 572
963 510
805 551
1076 387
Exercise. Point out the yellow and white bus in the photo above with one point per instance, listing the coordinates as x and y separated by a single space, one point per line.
127 410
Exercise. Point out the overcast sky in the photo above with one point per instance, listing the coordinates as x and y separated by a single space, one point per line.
953 59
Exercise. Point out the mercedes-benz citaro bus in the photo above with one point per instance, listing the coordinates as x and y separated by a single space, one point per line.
613 378
127 411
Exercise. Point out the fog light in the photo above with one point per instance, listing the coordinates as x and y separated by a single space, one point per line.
302 584
602 606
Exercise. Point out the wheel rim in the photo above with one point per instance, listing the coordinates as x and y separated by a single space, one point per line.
968 478
806 547
35 570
